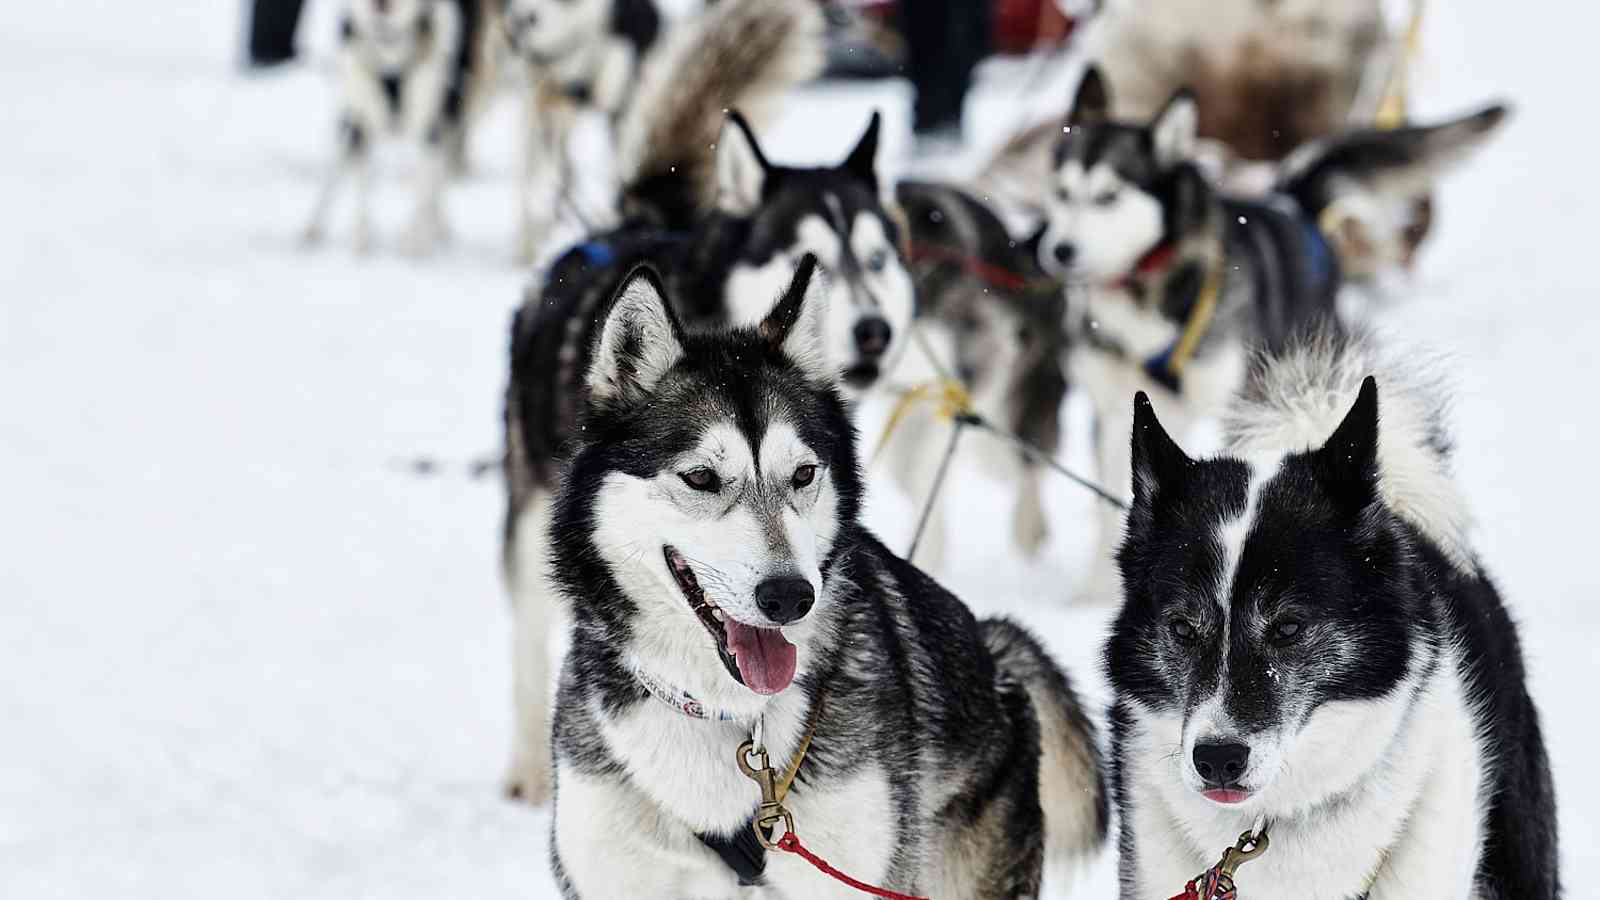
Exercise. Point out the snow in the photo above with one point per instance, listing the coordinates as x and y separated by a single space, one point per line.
248 653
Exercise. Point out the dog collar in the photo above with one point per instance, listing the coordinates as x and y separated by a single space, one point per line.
680 699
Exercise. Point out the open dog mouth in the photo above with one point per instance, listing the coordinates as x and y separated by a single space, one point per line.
761 659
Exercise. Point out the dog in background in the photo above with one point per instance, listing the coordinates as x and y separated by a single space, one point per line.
987 310
575 55
1308 640
1175 283
406 67
706 537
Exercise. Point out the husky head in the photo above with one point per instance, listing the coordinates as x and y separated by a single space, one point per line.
391 23
1004 316
837 214
1113 185
1275 622
546 30
696 528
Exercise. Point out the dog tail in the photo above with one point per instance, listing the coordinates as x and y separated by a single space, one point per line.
737 54
1294 398
1072 788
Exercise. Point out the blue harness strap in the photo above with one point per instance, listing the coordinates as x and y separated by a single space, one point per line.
596 253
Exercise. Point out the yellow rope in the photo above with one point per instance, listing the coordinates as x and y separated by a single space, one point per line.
1205 308
1393 109
949 396
800 754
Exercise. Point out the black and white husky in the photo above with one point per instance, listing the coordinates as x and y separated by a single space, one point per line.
1308 640
725 228
575 55
995 319
1179 282
706 538
406 67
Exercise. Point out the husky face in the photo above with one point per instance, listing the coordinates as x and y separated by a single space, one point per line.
545 30
1110 205
1272 614
835 214
698 521
389 21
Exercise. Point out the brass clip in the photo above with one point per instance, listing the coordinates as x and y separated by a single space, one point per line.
1249 847
771 811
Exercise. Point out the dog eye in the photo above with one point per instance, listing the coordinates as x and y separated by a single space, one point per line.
1183 631
877 261
1105 198
804 475
1286 632
702 479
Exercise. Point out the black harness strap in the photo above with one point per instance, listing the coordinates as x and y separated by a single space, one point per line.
741 852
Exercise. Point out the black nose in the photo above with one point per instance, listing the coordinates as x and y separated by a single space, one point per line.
382 5
1065 253
872 336
785 599
529 19
1221 763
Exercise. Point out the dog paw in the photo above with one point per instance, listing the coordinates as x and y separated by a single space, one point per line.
421 239
528 784
311 238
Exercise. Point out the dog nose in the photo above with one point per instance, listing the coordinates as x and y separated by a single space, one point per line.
1064 253
872 336
785 599
1221 762
382 5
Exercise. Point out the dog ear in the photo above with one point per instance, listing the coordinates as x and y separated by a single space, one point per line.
1348 462
863 160
640 341
794 326
1158 462
1175 129
1091 104
741 167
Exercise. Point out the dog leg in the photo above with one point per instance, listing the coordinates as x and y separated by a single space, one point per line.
534 609
352 153
1029 526
1111 430
427 229
545 177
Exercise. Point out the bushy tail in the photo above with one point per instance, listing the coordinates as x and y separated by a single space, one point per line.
1292 401
737 54
1072 788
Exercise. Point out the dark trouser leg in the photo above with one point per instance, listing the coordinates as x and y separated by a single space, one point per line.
272 27
945 40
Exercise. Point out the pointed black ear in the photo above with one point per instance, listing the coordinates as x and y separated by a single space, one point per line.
1091 104
741 167
640 340
794 326
863 160
1158 462
1349 460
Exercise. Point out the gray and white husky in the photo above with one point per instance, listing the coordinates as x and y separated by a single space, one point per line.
1308 640
1179 282
706 538
575 55
408 67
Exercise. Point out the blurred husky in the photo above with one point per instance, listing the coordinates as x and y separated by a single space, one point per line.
1309 640
1178 281
406 67
724 227
576 55
989 311
706 538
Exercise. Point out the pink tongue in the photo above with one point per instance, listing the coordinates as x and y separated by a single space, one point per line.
765 657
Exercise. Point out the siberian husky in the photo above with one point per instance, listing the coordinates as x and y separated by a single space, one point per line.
576 55
706 538
1308 640
725 228
992 315
1179 282
407 67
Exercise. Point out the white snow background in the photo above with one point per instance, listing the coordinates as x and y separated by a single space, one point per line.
245 653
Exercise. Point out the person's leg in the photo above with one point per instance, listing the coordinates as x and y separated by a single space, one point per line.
945 39
272 28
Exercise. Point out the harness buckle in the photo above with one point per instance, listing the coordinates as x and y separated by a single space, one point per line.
771 811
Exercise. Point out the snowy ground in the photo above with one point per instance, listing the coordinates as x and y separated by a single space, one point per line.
247 654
